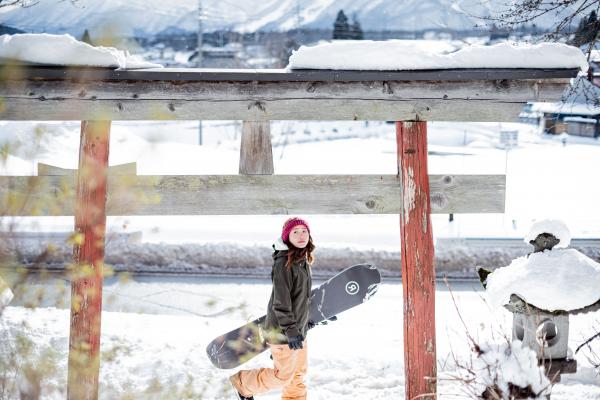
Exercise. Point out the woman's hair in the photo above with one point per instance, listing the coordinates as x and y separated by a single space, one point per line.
295 254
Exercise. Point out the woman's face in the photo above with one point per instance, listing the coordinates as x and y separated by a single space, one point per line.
299 236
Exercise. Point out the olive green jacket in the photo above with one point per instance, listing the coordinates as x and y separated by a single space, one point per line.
287 313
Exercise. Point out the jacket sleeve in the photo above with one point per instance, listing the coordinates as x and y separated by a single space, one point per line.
282 300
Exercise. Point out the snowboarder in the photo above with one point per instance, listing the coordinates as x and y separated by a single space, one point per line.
286 322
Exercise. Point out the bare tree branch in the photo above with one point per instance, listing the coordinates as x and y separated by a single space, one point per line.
565 12
22 3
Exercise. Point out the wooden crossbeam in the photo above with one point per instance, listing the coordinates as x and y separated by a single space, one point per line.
252 194
417 100
20 72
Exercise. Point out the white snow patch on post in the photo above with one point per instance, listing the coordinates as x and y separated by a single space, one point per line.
562 279
501 364
555 227
47 49
409 194
414 55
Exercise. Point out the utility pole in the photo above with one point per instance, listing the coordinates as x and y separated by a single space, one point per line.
199 59
200 30
298 18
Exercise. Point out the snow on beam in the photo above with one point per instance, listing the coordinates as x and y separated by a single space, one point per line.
122 169
424 100
252 194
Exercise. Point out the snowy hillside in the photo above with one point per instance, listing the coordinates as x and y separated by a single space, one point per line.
120 17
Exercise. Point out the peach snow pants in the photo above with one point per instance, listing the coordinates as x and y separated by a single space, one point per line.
288 373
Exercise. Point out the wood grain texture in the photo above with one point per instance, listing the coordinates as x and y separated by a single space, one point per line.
467 100
418 275
252 194
22 71
256 153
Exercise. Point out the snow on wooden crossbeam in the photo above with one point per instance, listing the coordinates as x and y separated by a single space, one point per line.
122 169
255 95
253 194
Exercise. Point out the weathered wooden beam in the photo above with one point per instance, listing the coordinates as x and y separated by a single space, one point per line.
20 72
88 255
418 275
466 100
122 169
252 194
256 153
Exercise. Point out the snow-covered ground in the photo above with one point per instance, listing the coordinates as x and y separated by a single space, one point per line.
360 355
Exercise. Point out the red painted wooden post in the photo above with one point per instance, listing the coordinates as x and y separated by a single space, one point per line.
418 276
88 254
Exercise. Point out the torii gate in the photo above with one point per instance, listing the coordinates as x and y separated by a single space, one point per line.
97 96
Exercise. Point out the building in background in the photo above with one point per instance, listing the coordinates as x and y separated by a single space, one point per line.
578 113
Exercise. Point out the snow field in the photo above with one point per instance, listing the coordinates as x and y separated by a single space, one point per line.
361 354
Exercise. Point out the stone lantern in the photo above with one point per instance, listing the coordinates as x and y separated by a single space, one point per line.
540 291
545 332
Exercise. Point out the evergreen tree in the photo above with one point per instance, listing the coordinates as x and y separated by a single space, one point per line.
86 38
587 30
356 31
341 28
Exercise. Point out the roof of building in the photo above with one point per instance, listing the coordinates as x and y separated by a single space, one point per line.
581 98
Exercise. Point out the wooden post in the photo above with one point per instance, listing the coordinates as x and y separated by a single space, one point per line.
88 254
256 154
418 276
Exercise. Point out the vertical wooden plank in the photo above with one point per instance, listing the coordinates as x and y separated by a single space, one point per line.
418 277
256 154
88 254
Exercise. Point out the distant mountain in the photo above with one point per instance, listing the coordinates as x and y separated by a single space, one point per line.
149 17
9 30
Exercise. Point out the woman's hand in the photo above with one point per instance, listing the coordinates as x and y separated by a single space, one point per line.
295 342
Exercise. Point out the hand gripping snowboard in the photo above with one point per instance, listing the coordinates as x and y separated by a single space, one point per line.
349 288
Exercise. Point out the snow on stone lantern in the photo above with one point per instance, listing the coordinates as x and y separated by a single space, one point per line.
543 288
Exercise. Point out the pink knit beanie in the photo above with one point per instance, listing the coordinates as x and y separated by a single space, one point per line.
290 224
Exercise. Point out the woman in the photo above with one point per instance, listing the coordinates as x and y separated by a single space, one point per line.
286 323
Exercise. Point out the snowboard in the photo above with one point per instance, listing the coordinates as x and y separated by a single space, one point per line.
347 289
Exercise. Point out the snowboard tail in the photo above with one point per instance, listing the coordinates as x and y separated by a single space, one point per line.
237 346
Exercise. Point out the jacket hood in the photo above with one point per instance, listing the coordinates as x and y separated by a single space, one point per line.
279 245
280 248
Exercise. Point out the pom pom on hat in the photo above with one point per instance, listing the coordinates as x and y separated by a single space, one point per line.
291 224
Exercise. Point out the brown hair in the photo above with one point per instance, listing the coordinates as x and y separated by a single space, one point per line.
295 254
